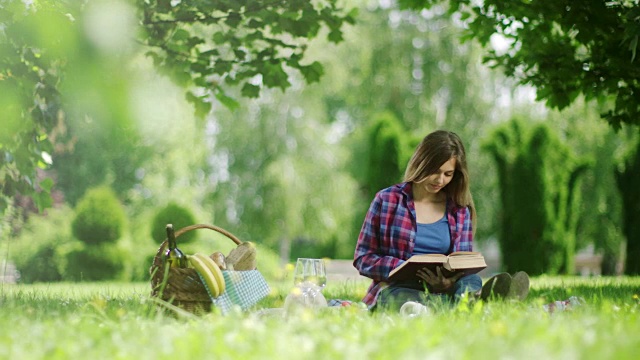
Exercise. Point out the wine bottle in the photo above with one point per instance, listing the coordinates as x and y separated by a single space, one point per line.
173 256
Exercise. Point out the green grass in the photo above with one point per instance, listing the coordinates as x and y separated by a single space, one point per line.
119 321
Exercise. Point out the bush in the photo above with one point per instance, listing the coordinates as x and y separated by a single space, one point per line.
38 250
309 248
93 263
99 217
538 176
41 266
176 215
389 153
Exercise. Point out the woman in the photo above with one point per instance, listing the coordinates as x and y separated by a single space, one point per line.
431 211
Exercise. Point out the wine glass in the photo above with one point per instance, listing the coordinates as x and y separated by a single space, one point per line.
309 278
310 273
321 273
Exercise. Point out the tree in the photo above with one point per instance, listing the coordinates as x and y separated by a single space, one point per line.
177 215
30 101
628 179
563 48
600 220
275 175
206 46
411 65
99 222
389 152
538 177
209 45
99 218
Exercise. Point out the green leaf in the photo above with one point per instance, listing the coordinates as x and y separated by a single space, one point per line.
275 76
43 200
203 108
255 24
240 54
227 101
250 90
46 185
633 46
312 73
219 38
210 53
335 36
181 35
201 105
182 78
233 19
222 67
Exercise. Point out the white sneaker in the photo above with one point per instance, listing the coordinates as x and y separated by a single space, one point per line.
519 288
413 309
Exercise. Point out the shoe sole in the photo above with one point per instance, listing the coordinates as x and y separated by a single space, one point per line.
519 286
497 287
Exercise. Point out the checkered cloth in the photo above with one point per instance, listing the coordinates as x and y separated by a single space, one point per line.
243 288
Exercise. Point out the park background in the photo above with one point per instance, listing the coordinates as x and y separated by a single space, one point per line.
121 116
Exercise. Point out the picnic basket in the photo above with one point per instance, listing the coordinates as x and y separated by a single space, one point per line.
182 286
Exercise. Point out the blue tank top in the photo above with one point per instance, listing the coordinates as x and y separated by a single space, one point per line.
433 238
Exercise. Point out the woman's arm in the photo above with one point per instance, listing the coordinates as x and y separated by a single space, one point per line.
466 235
369 257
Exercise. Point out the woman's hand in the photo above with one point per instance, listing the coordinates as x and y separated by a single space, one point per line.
438 282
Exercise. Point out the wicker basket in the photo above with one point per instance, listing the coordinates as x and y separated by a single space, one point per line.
183 287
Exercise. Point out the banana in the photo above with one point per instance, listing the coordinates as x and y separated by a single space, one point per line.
215 270
209 278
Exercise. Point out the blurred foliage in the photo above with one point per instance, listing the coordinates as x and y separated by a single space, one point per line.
99 154
563 48
628 179
39 251
600 219
174 214
286 170
278 174
412 65
388 151
99 217
63 94
41 265
211 45
30 101
538 176
568 52
103 142
93 263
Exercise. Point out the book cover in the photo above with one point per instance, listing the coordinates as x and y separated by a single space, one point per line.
469 262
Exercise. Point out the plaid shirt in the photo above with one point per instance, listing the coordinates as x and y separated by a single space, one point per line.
388 235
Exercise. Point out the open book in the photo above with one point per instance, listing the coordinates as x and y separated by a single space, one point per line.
469 262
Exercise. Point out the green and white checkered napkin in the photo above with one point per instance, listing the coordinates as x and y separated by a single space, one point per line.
243 288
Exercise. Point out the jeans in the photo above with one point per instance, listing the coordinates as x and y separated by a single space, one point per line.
392 297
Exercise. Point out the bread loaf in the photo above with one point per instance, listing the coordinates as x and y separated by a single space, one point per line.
242 257
219 259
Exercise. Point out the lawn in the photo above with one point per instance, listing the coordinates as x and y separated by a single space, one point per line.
119 321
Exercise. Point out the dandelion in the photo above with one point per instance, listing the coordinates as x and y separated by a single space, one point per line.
289 267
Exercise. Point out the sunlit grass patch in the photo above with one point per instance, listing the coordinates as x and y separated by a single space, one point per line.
110 320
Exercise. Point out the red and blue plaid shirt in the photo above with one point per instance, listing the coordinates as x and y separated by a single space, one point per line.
388 235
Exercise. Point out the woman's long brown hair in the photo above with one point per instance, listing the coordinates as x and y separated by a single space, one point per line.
434 150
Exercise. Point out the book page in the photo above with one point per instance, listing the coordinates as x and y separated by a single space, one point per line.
464 262
465 253
436 258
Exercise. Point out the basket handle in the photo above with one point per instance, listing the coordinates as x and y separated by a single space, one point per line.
210 227
199 226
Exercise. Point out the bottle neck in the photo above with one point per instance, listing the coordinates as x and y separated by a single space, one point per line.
171 237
